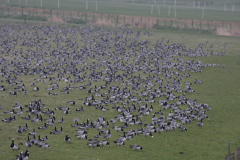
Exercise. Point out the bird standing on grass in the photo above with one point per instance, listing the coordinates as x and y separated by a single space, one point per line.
67 139
136 147
13 146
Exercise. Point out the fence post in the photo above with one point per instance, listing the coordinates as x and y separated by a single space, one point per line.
237 155
185 23
36 12
165 23
29 12
63 14
86 17
132 19
192 23
51 13
200 25
177 23
171 23
108 16
15 11
78 13
44 12
22 11
93 16
117 18
141 19
229 148
57 13
215 26
25 19
101 16
8 10
157 21
124 19
208 25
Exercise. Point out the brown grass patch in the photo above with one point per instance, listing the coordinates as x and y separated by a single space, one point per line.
55 19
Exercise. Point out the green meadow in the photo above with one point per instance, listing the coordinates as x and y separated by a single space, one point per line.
220 90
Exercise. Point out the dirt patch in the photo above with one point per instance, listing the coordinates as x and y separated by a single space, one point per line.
228 32
102 22
55 19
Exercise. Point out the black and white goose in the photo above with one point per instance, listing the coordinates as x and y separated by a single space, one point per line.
13 146
136 147
108 135
32 133
44 145
119 142
19 130
25 128
28 143
103 143
67 139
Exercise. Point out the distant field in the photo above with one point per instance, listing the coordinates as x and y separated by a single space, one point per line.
220 90
184 9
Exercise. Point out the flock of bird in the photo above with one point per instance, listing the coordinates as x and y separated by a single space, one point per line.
115 67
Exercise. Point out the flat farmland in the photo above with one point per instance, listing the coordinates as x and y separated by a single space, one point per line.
76 53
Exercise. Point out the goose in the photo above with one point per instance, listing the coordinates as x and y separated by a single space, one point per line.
75 125
50 123
200 124
119 142
38 142
60 131
71 102
13 146
28 143
32 133
25 128
19 130
54 132
113 121
136 147
81 131
93 144
81 136
44 139
123 138
159 130
8 120
51 93
27 118
19 112
98 127
62 121
107 135
66 112
43 127
36 89
80 109
36 119
103 143
9 112
44 145
117 128
23 156
98 136
67 139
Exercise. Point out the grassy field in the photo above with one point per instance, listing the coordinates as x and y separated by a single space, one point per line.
184 10
220 90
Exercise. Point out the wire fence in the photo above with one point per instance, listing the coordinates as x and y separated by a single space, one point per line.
77 17
208 10
228 157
